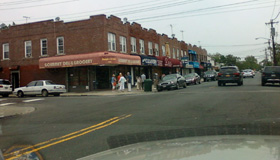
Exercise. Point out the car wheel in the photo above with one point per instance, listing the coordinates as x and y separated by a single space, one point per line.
58 94
263 83
252 76
239 83
177 86
185 85
45 93
5 95
20 94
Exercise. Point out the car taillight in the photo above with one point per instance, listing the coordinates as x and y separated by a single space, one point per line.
237 74
263 74
1 86
219 74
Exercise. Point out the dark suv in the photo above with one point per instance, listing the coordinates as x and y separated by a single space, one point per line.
271 74
230 74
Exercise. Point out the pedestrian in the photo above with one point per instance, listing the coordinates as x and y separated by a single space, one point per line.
143 78
128 82
118 79
122 80
113 82
139 83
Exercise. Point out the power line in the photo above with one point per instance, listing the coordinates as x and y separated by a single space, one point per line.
19 2
273 9
239 45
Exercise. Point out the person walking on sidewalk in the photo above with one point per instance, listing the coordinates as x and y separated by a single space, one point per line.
139 83
113 82
143 77
128 77
118 79
121 82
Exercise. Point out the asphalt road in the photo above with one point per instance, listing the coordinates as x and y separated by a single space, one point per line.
74 127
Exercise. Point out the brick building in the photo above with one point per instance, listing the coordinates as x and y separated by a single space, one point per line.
84 54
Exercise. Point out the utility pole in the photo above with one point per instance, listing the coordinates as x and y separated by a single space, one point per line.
273 43
266 59
26 18
182 35
172 35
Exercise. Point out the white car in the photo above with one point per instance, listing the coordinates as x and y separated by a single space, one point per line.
41 87
248 73
5 88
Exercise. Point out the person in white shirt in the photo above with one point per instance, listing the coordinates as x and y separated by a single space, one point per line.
143 77
121 82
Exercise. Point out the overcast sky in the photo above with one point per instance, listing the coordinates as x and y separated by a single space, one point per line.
224 26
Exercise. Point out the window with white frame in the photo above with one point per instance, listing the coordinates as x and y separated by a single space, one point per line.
111 42
156 49
6 51
150 46
133 44
142 47
44 47
173 54
163 51
185 53
123 44
182 53
60 45
28 49
178 53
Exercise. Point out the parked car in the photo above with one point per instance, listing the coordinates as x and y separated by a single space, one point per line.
210 75
40 87
192 78
248 73
5 88
271 74
171 81
230 74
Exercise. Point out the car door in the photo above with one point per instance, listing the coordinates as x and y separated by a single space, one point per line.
38 87
29 88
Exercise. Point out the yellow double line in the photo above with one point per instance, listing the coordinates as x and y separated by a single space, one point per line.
54 141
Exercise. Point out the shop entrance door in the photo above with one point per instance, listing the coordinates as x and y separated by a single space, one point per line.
78 79
103 77
15 79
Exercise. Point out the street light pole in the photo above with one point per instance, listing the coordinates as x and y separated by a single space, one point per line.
273 43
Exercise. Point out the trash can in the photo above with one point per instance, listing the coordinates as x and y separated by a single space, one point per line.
148 83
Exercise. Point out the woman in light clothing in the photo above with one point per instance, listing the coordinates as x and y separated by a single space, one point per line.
121 82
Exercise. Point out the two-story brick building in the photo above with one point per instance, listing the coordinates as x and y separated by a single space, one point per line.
84 54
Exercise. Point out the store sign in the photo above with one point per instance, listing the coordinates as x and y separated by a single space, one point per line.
195 64
159 63
68 63
191 52
128 61
149 62
167 62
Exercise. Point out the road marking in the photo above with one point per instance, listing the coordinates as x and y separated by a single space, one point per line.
46 144
33 100
6 104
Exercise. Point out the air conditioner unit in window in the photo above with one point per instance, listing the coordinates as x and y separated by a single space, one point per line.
28 55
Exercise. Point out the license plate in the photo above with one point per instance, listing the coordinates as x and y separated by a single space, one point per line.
164 86
227 75
6 87
273 75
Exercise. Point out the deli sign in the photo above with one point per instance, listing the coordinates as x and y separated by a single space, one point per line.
68 63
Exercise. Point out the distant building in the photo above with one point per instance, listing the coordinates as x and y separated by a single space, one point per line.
84 54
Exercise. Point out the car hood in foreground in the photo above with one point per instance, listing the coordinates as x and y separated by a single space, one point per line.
198 148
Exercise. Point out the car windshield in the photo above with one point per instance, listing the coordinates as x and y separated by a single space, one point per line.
272 69
90 77
169 77
49 82
5 82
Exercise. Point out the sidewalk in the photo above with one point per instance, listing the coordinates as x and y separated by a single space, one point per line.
106 93
7 111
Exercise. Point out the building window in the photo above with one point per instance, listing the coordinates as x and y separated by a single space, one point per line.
60 45
6 51
150 46
163 51
156 49
123 44
142 47
44 47
173 54
178 53
111 42
28 49
185 53
133 44
182 53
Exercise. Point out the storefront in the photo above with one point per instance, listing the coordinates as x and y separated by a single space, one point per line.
148 63
91 71
176 66
164 65
187 68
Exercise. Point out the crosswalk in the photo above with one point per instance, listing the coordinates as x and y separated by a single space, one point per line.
9 102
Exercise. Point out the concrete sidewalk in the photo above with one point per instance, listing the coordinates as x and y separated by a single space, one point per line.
106 93
7 111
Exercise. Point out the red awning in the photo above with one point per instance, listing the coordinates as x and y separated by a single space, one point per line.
176 63
163 61
87 59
